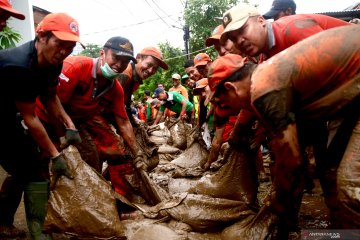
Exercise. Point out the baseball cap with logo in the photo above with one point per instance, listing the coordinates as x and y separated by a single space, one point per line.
200 85
236 17
121 46
176 76
215 36
223 68
201 59
63 26
6 6
154 52
278 6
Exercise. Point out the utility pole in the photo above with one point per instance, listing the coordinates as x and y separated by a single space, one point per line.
186 40
186 36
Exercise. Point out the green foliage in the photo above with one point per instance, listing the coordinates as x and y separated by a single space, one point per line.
91 50
175 59
8 38
200 16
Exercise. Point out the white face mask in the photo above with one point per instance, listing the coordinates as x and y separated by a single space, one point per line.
107 72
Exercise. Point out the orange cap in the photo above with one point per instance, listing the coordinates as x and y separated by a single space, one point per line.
200 85
201 59
6 5
223 68
63 26
215 36
154 52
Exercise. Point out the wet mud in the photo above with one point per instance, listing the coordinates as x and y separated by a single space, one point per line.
313 213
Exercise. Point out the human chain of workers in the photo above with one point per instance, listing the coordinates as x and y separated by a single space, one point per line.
294 80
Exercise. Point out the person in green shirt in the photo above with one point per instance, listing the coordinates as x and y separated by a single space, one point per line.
175 102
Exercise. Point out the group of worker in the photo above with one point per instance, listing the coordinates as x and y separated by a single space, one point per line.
287 83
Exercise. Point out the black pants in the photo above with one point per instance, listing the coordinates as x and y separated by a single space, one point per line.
20 158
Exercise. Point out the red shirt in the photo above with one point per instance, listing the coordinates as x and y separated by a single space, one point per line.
228 128
76 89
311 80
289 30
292 29
126 80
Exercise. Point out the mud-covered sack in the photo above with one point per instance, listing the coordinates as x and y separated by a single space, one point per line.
178 131
84 206
148 148
348 182
156 232
168 149
208 214
192 156
235 180
260 226
158 134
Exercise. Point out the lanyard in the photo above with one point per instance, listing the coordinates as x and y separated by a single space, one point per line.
94 92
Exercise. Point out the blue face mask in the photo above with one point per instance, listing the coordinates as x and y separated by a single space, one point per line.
107 72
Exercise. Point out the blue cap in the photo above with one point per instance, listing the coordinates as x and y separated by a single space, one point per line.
278 6
157 91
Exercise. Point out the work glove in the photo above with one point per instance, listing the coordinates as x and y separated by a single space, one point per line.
59 167
139 161
71 137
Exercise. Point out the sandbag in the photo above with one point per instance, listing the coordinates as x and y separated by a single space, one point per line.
168 149
208 214
348 182
84 206
158 134
192 156
149 148
260 226
179 185
156 232
235 180
178 130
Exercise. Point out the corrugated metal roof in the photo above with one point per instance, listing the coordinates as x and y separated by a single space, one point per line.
345 15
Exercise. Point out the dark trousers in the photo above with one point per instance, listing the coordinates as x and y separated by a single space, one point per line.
20 158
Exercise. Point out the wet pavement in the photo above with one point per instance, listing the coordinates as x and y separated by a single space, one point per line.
313 213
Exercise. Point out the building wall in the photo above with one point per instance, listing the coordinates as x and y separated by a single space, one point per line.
24 27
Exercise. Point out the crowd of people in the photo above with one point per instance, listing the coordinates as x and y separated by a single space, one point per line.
284 85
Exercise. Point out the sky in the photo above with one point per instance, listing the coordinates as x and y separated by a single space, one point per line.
149 22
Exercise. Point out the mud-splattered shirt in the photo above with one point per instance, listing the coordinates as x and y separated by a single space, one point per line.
289 30
314 79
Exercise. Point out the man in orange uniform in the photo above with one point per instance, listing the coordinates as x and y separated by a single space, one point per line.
319 70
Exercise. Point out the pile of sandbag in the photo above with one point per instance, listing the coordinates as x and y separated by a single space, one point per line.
192 204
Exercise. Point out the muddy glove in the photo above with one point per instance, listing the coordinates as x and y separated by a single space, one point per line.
59 167
139 161
71 137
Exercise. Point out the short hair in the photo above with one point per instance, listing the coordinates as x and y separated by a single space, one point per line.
189 63
147 93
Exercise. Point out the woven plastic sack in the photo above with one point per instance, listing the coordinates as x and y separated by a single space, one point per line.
85 206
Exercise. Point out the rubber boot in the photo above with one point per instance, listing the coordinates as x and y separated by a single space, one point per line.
36 197
10 198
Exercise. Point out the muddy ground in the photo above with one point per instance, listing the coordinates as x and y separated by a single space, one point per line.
313 214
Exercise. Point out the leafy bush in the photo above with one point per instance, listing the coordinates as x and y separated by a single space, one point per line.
8 38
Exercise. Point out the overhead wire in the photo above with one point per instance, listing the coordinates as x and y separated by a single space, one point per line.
184 55
127 8
125 26
157 13
162 10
